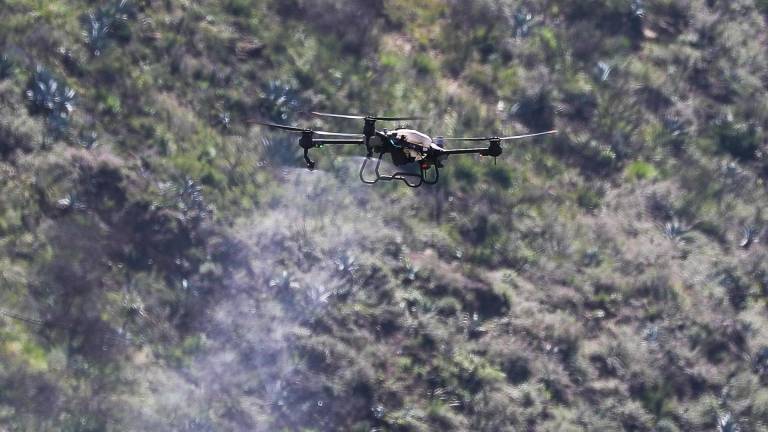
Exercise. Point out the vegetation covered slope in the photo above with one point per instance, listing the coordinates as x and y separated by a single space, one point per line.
167 265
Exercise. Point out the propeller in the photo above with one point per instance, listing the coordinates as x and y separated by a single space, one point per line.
509 138
300 130
363 117
369 129
306 141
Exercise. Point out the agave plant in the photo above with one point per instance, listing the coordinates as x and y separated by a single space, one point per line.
285 287
726 423
315 298
51 98
522 20
71 202
99 24
603 70
279 101
88 139
96 32
345 263
284 281
225 119
676 231
186 196
674 125
190 197
48 96
749 235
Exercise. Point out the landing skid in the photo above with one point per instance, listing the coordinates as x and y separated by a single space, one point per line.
418 179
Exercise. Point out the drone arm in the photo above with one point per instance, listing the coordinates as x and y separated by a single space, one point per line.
465 151
493 149
322 142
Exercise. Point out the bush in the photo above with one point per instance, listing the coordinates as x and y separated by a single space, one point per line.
99 25
49 97
536 111
17 132
6 67
740 140
279 101
640 171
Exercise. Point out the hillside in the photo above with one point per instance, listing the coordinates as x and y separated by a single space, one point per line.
167 264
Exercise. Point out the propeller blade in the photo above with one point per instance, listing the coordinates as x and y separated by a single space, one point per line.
339 134
467 139
398 118
338 115
283 127
296 129
362 117
502 138
528 135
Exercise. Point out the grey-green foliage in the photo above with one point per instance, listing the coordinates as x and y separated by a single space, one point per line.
182 271
50 97
99 24
6 66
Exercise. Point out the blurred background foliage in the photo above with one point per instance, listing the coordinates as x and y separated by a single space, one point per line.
167 265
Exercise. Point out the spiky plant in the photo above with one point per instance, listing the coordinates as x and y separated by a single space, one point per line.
313 300
185 196
602 71
47 96
88 139
676 231
345 263
71 202
726 423
225 119
96 32
99 24
284 281
279 101
285 286
749 235
522 20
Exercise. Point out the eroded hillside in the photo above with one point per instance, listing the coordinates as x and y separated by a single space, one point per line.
166 264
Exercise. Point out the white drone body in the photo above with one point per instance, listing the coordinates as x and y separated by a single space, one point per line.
416 138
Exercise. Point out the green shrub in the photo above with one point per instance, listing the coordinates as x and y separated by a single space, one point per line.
739 140
425 65
6 67
639 170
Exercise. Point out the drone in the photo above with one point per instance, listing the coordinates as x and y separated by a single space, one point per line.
407 147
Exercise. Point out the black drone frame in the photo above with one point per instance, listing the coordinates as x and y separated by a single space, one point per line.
388 142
